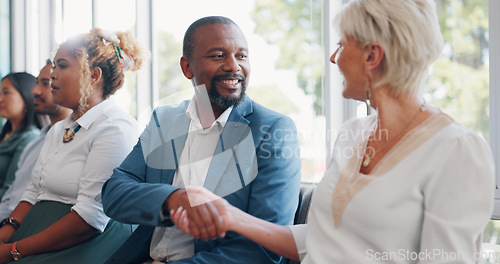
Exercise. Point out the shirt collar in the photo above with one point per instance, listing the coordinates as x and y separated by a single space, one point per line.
90 116
44 130
191 112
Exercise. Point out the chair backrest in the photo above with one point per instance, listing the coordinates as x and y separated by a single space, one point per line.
305 195
306 192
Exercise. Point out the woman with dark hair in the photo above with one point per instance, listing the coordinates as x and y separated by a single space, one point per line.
60 218
16 106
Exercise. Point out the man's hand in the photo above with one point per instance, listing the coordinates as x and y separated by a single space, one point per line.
200 196
201 217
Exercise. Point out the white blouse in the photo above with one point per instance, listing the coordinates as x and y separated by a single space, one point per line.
74 172
427 201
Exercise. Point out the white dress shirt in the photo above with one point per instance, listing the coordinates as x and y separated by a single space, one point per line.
427 201
74 172
27 161
168 243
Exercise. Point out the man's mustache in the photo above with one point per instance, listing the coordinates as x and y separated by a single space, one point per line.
230 75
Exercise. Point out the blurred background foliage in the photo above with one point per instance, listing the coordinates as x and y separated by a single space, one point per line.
459 81
295 27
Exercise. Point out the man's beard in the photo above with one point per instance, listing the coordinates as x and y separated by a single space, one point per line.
49 109
225 102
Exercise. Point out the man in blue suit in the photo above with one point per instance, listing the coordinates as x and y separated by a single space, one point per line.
220 139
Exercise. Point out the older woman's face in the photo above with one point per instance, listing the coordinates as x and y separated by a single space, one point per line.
66 79
349 58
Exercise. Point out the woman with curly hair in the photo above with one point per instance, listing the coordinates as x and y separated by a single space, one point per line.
60 217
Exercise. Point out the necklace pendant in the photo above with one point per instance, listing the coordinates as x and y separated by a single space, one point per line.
366 162
68 137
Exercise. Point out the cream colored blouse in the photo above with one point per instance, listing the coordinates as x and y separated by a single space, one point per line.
427 201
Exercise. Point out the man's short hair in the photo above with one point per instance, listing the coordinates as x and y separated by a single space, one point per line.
188 43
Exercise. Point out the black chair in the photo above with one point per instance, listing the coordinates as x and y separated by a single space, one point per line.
306 192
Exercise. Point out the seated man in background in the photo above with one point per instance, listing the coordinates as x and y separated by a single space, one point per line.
220 139
43 106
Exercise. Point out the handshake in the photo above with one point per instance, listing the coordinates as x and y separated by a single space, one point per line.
198 212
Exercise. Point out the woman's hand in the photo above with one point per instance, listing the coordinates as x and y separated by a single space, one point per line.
5 255
275 237
179 217
198 196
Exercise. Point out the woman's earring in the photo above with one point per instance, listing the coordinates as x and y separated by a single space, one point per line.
367 102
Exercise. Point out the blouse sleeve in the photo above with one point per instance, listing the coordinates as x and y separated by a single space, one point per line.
299 235
31 192
108 150
458 202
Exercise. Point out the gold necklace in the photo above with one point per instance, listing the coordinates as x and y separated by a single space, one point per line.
368 157
69 136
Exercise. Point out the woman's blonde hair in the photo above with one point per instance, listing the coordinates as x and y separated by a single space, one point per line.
407 30
92 50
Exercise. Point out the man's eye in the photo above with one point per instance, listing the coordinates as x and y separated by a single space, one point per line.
218 56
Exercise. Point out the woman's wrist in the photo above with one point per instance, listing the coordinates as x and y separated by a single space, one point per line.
6 232
237 219
10 221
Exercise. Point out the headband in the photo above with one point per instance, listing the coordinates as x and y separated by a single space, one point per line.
109 37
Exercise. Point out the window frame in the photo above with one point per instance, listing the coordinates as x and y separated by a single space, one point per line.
494 61
337 109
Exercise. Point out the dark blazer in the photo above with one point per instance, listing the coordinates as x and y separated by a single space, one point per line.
255 167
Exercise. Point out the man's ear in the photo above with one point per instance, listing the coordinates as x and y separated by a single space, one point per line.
186 67
375 55
96 75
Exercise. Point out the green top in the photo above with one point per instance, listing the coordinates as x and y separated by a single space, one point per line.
10 151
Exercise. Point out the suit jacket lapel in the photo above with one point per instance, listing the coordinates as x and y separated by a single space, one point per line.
178 134
234 131
174 138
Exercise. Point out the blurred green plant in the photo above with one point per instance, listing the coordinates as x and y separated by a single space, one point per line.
172 83
295 27
459 81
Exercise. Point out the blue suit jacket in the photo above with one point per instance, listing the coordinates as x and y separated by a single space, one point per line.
255 167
